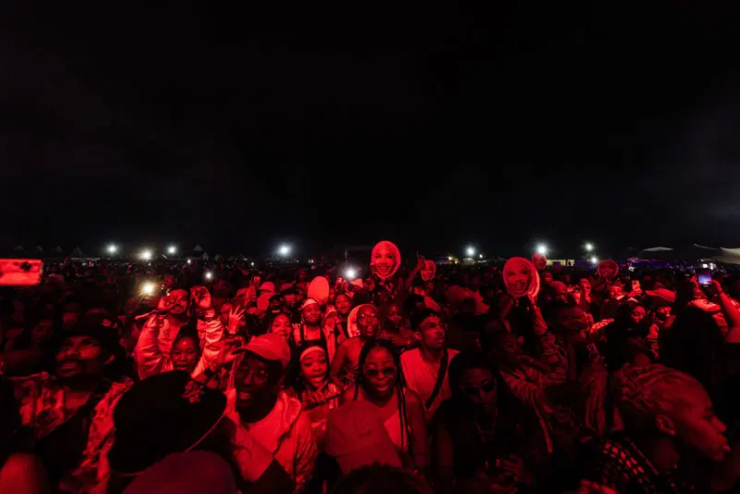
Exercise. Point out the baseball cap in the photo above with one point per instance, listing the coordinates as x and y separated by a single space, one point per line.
270 346
307 302
356 437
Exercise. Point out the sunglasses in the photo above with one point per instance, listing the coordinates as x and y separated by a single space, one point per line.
485 386
374 373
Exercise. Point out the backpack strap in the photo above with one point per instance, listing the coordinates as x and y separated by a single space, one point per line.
440 379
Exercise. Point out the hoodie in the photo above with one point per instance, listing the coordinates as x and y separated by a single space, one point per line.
285 432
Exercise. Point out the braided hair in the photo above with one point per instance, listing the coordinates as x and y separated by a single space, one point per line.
400 380
641 392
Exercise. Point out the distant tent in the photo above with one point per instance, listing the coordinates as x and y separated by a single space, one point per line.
39 248
693 252
198 248
77 253
19 248
58 250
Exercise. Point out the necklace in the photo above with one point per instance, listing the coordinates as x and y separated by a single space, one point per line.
486 435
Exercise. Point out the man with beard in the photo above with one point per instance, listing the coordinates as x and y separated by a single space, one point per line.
425 368
270 415
70 412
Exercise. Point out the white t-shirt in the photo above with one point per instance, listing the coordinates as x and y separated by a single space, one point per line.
421 377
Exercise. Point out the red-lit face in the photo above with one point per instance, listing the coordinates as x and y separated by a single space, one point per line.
432 333
607 270
343 305
41 332
315 368
180 299
312 314
539 261
367 321
695 422
168 282
429 270
282 327
638 314
574 320
547 277
518 277
251 380
394 317
479 386
384 260
615 292
185 353
380 372
507 347
79 356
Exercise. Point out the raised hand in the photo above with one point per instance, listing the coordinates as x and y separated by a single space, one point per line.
165 303
236 317
201 296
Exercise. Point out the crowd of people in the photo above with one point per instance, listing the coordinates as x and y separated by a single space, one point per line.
521 377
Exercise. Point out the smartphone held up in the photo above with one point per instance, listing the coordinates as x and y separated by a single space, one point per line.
704 277
20 272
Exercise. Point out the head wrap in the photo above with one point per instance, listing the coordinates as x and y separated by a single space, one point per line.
534 282
352 329
396 253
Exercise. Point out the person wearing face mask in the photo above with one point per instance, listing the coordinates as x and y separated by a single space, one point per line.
669 426
363 326
272 417
69 412
312 386
385 260
479 442
426 368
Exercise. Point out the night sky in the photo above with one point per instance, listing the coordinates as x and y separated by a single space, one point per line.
434 126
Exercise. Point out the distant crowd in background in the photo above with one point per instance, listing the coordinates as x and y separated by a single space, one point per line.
223 377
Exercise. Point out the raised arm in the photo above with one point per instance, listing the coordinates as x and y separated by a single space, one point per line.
732 315
150 360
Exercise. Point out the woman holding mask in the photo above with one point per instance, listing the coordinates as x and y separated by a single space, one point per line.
518 311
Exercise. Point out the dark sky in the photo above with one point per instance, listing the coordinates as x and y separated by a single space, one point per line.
236 127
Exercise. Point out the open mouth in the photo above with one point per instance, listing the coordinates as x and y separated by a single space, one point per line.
69 365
